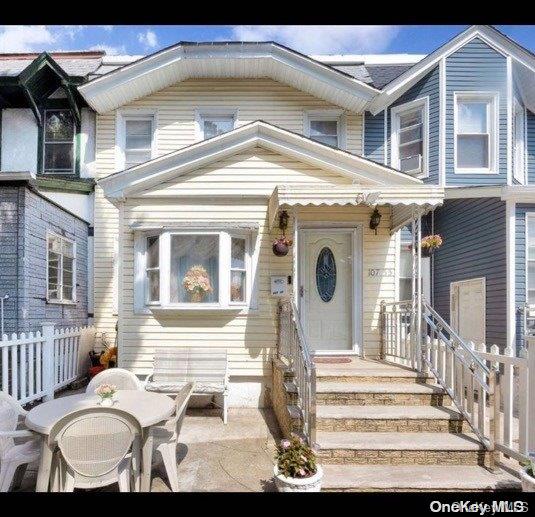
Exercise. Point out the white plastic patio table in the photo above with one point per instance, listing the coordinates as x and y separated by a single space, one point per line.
149 408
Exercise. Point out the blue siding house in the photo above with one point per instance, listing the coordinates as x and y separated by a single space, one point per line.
463 118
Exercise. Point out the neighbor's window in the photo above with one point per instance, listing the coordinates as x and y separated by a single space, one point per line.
405 272
475 132
58 142
197 268
61 259
138 132
409 127
214 125
530 259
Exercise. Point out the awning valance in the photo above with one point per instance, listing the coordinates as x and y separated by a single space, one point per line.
403 199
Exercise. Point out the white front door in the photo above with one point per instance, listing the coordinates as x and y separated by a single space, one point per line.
327 289
467 309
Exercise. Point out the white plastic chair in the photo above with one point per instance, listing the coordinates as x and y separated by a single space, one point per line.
166 435
94 446
123 379
14 458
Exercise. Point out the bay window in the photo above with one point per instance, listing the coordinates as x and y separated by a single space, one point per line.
194 269
475 132
409 137
61 260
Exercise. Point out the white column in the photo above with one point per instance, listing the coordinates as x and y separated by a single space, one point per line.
49 374
416 290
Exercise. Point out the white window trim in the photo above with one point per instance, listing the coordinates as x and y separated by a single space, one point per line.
494 131
202 113
120 136
73 143
395 112
140 281
519 175
327 114
50 234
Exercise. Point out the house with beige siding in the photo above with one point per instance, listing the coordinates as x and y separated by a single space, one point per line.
199 150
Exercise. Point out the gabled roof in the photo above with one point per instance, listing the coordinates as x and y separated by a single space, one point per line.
493 37
259 133
187 60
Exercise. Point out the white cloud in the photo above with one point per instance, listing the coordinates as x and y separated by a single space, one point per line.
148 38
109 49
322 39
107 28
26 38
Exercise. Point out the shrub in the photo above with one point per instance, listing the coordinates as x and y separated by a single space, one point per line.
295 459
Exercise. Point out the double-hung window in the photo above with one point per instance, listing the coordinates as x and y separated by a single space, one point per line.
137 139
325 126
58 142
475 132
214 122
409 137
61 267
195 269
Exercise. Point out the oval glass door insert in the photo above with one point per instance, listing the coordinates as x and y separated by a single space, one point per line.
326 274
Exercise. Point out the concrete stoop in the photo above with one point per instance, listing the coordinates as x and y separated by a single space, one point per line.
382 427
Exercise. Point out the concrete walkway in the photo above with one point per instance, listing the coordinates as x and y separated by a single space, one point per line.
213 457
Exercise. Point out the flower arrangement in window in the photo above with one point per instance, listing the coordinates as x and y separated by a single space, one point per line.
430 243
197 283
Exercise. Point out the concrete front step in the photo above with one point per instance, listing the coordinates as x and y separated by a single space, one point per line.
415 478
380 393
348 447
384 418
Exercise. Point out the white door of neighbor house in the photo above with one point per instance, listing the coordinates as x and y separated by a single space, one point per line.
467 309
327 289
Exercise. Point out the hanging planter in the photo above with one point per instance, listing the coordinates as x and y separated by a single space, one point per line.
429 244
281 246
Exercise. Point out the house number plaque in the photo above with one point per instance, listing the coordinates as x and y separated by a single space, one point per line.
381 272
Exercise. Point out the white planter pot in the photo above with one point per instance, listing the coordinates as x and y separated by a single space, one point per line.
528 482
106 401
310 484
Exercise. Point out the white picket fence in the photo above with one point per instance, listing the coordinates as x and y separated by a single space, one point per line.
35 365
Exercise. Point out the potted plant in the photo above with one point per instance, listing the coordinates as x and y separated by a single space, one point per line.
296 469
106 392
281 246
527 475
430 243
197 283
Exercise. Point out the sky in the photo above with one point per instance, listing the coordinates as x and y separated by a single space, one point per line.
323 39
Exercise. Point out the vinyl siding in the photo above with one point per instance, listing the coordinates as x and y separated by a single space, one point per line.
249 338
476 67
260 99
521 210
530 151
374 136
474 235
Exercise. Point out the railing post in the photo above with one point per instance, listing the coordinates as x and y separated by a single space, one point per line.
382 328
494 424
48 360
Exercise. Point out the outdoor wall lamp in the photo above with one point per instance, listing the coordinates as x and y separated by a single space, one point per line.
375 219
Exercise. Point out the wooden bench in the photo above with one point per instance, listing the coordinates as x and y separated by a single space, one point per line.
174 367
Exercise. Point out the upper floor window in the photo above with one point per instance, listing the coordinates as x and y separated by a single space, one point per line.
61 260
138 140
58 142
214 122
409 137
475 132
518 142
325 126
